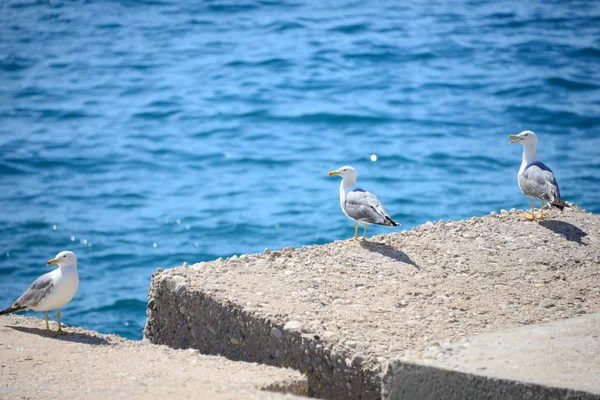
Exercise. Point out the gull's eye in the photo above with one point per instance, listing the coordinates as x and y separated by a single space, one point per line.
65 256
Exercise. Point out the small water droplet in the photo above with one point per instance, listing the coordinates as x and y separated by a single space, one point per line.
7 255
178 221
72 238
155 245
89 244
373 157
84 241
196 244
187 227
166 220
126 323
54 227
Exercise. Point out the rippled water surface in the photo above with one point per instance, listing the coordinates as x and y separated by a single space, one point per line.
141 134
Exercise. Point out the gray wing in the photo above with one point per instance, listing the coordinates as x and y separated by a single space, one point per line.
537 180
39 289
365 207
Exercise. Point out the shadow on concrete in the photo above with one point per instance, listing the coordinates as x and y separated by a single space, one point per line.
69 337
566 230
388 251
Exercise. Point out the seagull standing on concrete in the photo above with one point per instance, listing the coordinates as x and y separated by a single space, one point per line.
536 180
51 290
360 205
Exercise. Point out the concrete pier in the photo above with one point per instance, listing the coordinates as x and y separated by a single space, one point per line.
341 312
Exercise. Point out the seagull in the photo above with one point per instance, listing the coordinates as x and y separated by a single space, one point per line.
536 180
358 204
51 290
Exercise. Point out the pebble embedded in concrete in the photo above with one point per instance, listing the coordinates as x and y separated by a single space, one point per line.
276 333
358 359
292 326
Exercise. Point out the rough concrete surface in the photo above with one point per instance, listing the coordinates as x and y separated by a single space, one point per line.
556 360
339 311
87 365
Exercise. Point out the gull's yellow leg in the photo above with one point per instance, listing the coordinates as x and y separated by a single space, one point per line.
541 214
364 236
527 216
60 331
48 326
355 230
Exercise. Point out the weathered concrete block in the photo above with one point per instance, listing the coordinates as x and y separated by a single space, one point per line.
225 328
413 381
338 312
559 360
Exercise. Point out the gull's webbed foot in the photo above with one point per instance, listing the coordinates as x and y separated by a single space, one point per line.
539 216
529 217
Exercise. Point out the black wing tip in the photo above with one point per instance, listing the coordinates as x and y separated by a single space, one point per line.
560 205
11 310
391 222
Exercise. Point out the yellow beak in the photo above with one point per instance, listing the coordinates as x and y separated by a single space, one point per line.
333 173
52 262
516 139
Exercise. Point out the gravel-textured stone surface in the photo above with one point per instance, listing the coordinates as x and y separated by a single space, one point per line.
339 311
88 365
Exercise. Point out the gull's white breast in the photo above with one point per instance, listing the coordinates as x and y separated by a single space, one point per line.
343 192
66 283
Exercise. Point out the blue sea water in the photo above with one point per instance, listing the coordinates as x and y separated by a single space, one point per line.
141 134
